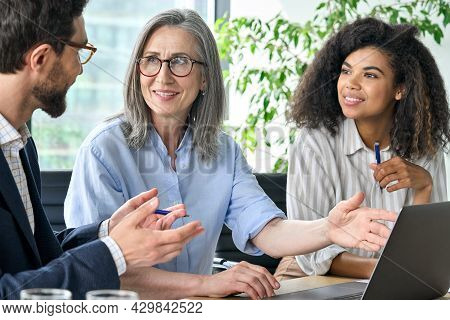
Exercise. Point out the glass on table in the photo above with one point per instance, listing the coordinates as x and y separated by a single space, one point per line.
45 294
112 295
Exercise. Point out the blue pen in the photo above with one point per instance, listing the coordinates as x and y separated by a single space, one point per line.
162 212
377 155
165 212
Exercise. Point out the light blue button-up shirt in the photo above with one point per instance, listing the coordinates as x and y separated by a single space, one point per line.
107 173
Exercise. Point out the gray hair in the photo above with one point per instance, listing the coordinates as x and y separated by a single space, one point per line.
206 115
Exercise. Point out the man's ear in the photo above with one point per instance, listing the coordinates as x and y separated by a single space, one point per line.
39 57
400 93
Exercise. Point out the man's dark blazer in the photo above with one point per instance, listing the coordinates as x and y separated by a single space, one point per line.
41 260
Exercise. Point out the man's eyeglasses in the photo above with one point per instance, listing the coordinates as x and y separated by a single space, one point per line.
85 51
178 66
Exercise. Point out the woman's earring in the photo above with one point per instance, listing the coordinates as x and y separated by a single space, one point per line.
203 92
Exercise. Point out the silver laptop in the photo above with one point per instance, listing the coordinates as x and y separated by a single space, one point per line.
415 264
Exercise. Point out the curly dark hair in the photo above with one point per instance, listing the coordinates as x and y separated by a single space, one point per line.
421 120
24 24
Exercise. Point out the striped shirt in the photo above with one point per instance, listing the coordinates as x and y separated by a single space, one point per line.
11 142
324 170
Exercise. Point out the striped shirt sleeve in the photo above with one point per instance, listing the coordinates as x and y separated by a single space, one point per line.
113 247
436 168
310 196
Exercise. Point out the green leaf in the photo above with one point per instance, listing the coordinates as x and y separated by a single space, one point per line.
268 116
244 85
262 76
394 16
354 4
266 102
296 37
438 35
409 9
446 17
320 6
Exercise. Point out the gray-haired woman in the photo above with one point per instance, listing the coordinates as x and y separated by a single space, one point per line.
169 137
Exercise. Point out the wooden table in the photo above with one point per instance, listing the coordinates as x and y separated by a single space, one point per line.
304 283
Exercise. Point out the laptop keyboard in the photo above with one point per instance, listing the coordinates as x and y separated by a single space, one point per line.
356 296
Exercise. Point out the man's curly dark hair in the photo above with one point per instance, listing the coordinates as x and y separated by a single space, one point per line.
421 120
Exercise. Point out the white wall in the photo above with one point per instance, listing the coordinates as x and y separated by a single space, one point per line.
299 11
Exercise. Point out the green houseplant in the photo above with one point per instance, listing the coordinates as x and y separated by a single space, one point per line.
284 49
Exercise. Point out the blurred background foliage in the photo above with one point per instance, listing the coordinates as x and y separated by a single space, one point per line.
267 58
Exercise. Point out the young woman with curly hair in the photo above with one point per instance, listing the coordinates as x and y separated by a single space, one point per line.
371 82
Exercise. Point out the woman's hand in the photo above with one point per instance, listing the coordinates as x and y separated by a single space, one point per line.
164 222
407 175
153 221
352 226
143 247
244 277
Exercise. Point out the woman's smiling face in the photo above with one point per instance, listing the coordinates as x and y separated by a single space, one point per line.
366 85
166 94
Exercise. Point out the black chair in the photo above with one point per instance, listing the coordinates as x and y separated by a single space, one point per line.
274 184
54 190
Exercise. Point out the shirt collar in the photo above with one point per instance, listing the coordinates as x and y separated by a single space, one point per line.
159 144
8 133
351 138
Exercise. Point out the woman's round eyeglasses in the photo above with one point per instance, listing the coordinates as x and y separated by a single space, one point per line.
178 66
